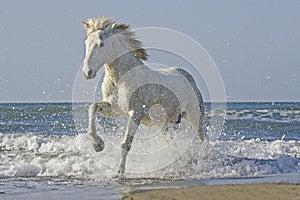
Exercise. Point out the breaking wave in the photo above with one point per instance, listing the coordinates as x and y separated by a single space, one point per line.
35 155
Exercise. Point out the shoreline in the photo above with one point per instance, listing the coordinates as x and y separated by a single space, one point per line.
275 186
226 191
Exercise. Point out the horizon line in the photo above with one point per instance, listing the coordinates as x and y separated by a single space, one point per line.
70 102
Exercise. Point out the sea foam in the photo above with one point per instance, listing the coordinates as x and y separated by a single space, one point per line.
34 155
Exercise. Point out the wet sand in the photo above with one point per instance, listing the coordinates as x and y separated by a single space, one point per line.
230 191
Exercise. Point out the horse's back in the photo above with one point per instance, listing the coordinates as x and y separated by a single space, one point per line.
175 71
190 96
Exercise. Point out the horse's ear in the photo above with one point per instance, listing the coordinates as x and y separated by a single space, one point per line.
85 25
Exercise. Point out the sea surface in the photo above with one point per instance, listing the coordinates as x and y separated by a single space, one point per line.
45 147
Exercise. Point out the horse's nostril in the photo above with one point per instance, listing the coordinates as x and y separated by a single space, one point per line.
90 72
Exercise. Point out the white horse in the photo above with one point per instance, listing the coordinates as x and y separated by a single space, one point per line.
130 89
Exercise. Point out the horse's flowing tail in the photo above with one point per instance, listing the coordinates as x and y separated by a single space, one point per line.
193 84
197 125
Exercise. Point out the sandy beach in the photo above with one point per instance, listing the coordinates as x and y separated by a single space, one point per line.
231 191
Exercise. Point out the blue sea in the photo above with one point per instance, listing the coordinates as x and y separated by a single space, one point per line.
45 147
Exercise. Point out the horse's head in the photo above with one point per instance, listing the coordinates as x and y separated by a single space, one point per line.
106 41
96 54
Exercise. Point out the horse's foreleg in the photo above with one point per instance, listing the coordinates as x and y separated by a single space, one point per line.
132 125
96 140
200 134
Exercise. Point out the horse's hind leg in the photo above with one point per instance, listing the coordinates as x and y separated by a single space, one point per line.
197 123
172 118
96 140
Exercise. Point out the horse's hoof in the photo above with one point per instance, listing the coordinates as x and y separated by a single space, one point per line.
99 146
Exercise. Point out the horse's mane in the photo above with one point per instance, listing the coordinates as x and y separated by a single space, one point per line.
111 27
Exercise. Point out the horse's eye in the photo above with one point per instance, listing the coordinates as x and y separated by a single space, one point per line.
101 44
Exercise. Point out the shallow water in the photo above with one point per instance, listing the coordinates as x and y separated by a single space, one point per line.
44 149
29 188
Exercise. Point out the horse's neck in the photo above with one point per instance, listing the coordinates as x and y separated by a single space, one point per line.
124 62
121 66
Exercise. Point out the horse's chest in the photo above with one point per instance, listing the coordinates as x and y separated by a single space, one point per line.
108 90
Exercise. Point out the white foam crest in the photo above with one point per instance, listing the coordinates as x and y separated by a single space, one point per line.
263 114
31 155
235 159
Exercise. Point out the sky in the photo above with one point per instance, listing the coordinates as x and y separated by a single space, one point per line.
255 44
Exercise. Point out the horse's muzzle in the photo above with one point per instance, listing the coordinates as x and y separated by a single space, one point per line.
89 72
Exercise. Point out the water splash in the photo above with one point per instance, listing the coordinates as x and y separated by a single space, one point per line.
32 155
